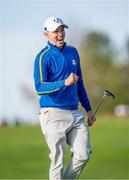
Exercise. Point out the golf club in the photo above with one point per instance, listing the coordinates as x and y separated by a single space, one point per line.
106 94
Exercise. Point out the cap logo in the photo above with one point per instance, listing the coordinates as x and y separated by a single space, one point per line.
57 20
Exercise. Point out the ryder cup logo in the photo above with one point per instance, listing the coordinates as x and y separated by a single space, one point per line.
73 62
57 20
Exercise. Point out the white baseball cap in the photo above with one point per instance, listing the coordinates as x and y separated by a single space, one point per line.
52 23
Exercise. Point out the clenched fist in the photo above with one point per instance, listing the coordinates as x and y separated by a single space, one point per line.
71 79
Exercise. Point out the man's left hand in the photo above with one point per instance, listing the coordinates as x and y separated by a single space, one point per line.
91 119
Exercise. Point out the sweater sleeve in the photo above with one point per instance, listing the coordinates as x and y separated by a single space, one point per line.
42 85
82 94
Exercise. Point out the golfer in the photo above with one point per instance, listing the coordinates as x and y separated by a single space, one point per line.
59 83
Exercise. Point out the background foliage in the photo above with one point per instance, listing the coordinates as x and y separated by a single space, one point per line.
105 66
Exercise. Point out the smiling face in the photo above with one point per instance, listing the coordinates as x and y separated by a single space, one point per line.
56 37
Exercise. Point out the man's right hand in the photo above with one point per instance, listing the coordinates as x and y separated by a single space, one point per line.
71 79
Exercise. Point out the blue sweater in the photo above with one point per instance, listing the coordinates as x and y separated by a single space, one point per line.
52 66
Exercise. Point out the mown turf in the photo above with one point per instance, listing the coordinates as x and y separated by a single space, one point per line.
24 153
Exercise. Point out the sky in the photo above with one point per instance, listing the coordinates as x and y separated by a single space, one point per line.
21 34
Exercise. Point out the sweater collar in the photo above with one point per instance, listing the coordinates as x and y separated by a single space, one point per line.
55 48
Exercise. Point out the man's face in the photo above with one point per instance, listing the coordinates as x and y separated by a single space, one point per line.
56 37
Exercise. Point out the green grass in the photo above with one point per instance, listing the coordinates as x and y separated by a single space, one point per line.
24 153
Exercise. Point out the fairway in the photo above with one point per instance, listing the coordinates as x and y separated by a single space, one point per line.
24 153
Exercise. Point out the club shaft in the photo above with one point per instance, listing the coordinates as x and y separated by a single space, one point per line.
98 106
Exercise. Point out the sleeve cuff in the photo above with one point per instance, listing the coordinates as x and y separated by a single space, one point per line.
88 108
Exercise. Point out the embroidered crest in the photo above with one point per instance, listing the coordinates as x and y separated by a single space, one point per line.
73 62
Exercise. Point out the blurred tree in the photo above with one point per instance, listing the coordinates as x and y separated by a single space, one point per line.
98 46
97 60
127 47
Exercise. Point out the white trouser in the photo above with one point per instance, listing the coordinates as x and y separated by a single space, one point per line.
60 127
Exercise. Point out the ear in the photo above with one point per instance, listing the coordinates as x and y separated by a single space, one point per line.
46 34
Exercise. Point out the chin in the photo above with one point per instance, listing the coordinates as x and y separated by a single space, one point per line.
60 45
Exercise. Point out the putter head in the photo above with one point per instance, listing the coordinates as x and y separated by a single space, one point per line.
108 93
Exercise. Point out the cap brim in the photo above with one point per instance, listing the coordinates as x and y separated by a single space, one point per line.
65 26
52 29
